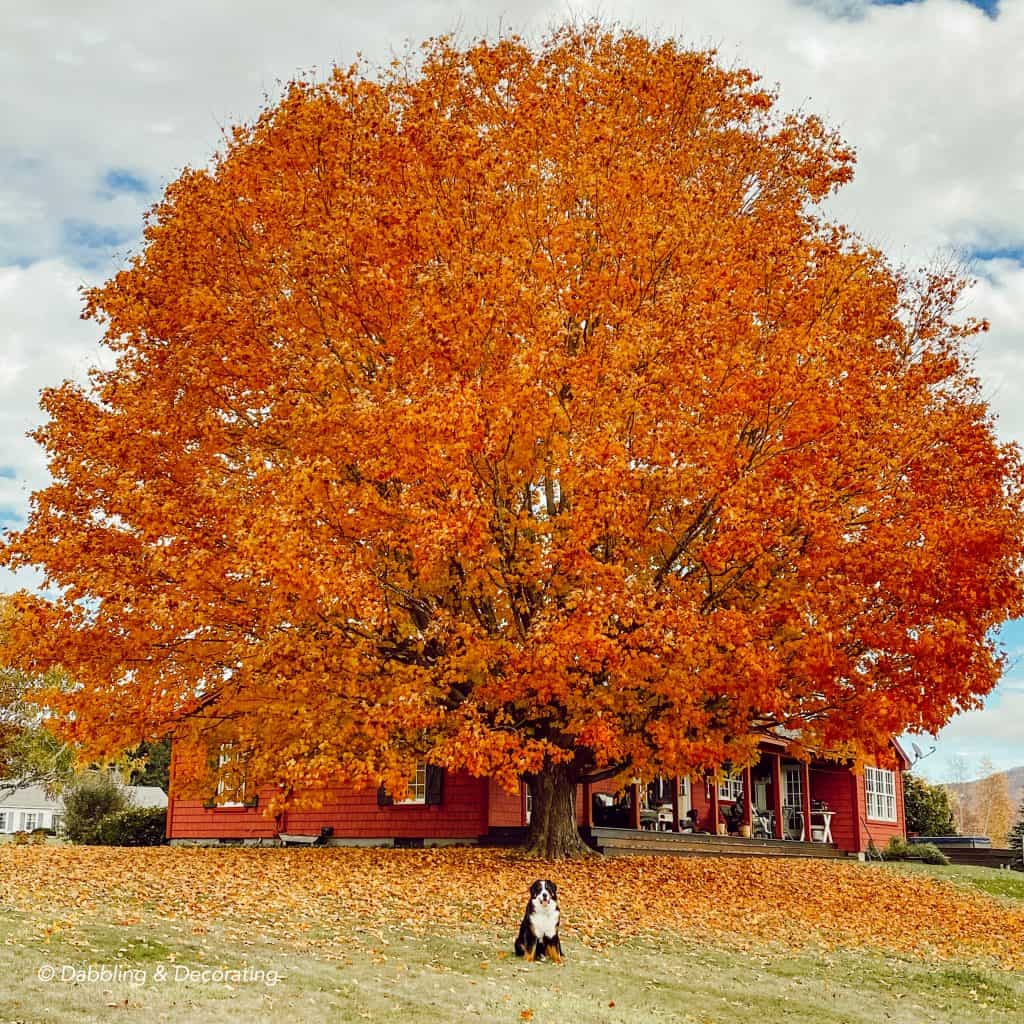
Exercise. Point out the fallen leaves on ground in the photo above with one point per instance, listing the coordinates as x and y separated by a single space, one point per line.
321 897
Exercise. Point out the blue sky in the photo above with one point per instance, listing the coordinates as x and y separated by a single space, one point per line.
104 104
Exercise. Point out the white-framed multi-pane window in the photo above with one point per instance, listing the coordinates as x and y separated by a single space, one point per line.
417 791
31 820
230 777
730 787
5 817
793 789
880 793
685 800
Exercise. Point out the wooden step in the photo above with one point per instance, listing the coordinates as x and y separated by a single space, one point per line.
622 842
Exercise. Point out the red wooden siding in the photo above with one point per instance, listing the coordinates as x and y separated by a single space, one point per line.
505 810
189 819
353 814
834 786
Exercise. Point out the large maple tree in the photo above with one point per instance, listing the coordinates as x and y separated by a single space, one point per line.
522 413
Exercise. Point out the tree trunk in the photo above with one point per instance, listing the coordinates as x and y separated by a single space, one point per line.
553 831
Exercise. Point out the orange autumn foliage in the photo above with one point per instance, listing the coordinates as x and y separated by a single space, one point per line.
323 898
520 411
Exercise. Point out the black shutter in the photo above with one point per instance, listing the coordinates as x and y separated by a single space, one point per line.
384 798
435 784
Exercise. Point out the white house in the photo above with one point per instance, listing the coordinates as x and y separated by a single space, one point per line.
29 808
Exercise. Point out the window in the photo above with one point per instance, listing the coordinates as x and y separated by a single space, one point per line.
55 822
417 791
4 827
880 790
425 786
793 793
730 787
684 795
30 821
230 777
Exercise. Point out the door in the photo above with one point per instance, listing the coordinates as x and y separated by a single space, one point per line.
792 801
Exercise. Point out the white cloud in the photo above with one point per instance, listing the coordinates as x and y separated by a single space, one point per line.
994 732
42 342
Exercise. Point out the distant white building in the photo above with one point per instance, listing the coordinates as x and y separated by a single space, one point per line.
30 808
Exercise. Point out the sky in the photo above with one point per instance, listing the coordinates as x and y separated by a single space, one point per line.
103 104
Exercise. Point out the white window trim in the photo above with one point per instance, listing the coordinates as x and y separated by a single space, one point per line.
880 794
417 791
730 788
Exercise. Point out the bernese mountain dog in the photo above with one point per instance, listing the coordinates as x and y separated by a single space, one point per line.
538 934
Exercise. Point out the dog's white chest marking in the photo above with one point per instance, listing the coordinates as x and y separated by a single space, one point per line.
544 921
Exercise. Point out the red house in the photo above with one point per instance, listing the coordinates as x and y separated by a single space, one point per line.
847 810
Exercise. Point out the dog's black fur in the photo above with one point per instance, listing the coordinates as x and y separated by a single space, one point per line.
542 909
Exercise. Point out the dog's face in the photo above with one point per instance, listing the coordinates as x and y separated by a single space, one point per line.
543 894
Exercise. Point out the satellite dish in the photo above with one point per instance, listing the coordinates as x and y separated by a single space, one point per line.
918 752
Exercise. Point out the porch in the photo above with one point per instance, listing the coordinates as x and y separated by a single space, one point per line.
778 800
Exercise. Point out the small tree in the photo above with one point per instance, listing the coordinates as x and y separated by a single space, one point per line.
87 801
1016 839
927 808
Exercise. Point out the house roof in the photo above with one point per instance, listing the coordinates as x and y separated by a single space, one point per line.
147 796
29 798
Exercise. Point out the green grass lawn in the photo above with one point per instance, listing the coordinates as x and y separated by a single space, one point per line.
1000 883
392 974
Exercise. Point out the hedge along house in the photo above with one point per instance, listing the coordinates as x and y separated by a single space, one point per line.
774 800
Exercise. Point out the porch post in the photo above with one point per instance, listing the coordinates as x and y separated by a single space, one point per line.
714 805
634 808
777 795
748 814
806 787
675 803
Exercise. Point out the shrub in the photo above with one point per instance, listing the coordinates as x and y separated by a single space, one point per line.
900 849
20 838
138 826
929 853
89 799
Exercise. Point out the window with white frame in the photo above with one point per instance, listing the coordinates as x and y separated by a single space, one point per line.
880 791
793 791
230 777
30 821
4 822
417 791
684 795
730 787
